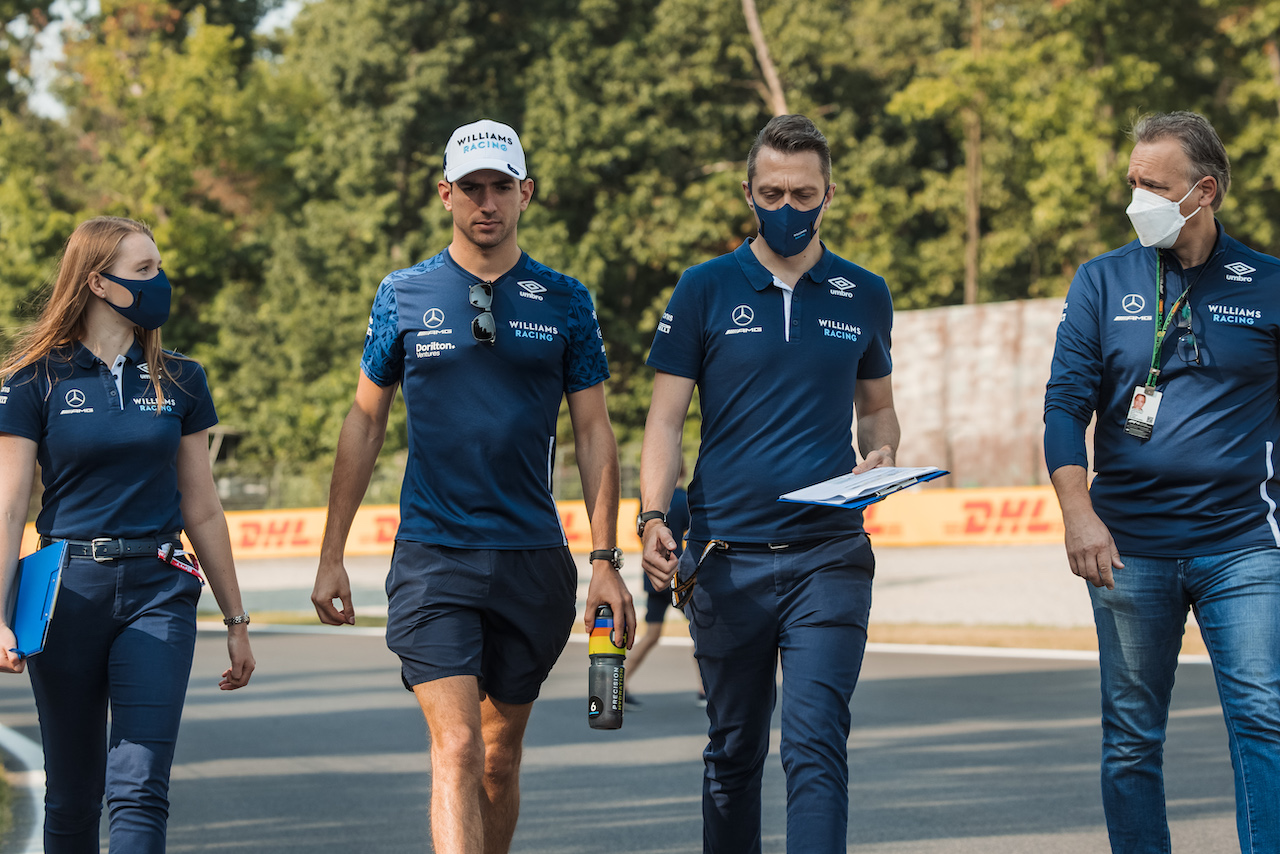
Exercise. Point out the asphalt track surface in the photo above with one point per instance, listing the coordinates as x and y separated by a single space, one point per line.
954 753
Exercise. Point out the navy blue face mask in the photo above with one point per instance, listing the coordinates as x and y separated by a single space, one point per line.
150 308
787 231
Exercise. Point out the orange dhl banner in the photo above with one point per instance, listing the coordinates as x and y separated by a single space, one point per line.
925 517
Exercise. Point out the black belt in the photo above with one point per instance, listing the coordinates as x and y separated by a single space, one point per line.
104 549
771 547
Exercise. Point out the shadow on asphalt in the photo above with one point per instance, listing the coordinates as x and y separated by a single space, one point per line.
325 751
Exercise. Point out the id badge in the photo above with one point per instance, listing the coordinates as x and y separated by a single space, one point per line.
1142 412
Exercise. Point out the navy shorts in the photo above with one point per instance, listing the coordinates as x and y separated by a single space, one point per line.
501 616
659 602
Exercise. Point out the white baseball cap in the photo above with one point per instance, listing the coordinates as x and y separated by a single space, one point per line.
485 144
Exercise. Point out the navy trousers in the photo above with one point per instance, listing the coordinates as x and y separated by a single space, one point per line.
808 607
123 635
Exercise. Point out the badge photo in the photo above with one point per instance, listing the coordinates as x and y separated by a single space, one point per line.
1143 407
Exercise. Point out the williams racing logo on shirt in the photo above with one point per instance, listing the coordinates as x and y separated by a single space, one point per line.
743 315
1238 315
1133 305
535 331
839 329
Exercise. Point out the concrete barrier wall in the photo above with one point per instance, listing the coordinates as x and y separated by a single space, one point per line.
969 386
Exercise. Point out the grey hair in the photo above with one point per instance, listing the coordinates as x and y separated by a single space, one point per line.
1199 142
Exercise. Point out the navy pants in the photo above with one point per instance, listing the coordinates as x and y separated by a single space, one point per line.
123 635
808 607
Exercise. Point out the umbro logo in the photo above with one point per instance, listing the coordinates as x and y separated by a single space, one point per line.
532 290
1240 271
841 287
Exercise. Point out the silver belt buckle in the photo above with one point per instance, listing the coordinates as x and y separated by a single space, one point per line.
93 548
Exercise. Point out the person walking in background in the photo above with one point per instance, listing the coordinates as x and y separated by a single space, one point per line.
788 346
485 343
658 601
1182 510
119 427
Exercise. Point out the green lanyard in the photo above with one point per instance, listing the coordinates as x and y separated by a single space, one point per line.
1162 325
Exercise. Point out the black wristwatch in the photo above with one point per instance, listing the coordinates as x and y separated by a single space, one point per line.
646 517
613 555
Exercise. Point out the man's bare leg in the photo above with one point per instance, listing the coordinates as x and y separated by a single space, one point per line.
503 726
452 708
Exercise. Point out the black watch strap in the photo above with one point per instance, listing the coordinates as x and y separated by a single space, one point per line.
647 517
613 555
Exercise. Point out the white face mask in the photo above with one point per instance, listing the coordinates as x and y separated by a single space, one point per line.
1158 220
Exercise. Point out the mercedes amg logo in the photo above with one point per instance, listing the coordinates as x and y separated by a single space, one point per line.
433 318
1133 303
75 398
742 315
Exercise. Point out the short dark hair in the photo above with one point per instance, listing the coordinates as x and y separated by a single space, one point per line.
789 135
1199 142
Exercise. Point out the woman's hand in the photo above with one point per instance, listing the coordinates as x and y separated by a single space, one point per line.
242 663
10 662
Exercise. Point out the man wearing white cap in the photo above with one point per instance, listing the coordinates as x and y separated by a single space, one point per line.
482 592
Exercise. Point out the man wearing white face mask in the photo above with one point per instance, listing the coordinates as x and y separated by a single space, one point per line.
1171 341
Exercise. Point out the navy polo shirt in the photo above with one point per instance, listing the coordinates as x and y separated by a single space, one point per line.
482 417
1206 480
777 409
109 466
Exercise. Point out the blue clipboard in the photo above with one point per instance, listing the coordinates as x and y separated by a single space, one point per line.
39 579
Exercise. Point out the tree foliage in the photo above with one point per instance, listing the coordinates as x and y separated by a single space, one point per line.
286 175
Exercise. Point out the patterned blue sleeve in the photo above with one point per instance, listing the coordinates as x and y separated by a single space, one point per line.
22 403
678 345
585 363
383 360
876 361
200 413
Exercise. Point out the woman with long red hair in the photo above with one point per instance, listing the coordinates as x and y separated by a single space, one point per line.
119 427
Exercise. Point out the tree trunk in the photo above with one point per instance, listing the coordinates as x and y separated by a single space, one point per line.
778 100
973 174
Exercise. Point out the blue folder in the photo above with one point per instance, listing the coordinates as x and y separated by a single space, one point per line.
39 578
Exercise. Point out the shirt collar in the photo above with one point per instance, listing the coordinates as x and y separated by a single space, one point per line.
84 357
760 278
519 266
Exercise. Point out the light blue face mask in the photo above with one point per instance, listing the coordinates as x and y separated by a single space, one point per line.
787 231
151 297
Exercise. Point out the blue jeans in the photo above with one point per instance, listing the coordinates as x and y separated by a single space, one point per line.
1236 600
123 635
809 607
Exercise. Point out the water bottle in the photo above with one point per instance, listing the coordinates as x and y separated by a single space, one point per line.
605 675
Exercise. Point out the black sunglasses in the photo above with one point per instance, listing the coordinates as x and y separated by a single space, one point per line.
1188 348
682 588
483 327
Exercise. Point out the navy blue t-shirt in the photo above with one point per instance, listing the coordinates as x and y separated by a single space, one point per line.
482 417
110 469
1205 482
777 410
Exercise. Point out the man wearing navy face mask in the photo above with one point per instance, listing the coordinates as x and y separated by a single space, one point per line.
784 341
1182 511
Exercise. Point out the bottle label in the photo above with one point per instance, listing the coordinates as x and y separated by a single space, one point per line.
601 643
